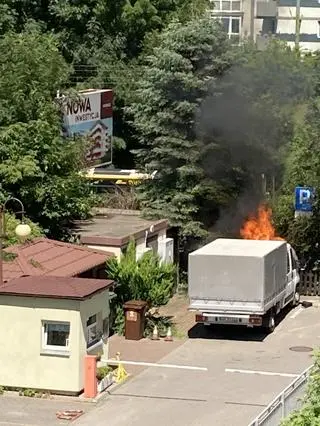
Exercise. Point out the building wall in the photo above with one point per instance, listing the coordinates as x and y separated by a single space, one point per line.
23 363
96 305
236 16
283 26
309 29
141 244
111 249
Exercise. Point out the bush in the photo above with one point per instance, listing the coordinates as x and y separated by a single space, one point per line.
102 372
119 322
31 393
303 233
146 279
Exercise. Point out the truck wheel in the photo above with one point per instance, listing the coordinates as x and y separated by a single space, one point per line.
296 298
271 324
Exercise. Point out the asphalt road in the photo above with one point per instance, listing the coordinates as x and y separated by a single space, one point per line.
175 397
164 397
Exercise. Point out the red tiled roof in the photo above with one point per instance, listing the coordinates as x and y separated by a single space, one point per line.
42 256
55 287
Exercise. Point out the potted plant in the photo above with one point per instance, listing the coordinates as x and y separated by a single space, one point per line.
105 377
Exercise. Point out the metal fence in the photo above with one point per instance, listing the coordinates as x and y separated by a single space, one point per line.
283 404
310 283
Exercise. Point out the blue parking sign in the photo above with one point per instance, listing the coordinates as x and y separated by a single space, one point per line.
304 196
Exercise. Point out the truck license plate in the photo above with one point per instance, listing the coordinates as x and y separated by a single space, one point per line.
228 319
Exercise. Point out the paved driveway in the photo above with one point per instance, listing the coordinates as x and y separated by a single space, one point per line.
174 397
23 411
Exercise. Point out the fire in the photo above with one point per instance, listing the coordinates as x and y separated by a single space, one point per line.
259 227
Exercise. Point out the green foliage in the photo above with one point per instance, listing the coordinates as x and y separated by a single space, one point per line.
145 279
31 393
309 414
119 319
103 371
301 169
162 58
37 164
11 223
175 79
32 70
162 324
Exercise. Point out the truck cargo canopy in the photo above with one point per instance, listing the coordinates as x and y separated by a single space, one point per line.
239 247
245 271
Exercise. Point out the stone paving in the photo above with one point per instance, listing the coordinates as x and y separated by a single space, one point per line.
183 319
145 350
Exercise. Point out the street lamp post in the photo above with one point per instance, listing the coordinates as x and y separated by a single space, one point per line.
22 230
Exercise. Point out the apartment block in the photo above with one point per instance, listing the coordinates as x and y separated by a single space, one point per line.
261 19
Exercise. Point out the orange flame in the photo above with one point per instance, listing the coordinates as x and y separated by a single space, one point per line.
260 227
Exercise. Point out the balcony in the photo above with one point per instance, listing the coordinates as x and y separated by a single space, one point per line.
266 9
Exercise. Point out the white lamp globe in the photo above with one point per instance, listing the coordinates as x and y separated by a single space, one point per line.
23 230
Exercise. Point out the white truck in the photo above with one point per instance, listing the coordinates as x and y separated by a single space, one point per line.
242 282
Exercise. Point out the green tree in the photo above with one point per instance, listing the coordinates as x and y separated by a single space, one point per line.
11 223
251 114
37 164
302 168
174 80
261 97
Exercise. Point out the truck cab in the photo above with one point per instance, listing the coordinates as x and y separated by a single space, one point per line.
293 277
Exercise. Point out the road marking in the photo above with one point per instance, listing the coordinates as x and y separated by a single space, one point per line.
262 373
297 312
152 364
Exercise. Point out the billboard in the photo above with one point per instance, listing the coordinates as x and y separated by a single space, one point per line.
91 115
304 198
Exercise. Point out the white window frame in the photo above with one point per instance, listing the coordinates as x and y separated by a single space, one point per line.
226 10
230 19
54 348
318 27
90 327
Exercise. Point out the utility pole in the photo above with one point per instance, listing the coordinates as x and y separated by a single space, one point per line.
298 23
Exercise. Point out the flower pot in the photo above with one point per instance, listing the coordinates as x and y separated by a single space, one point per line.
106 382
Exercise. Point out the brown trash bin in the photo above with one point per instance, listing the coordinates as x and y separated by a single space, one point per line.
134 312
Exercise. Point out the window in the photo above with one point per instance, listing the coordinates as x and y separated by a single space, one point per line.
225 5
232 25
92 330
294 260
55 335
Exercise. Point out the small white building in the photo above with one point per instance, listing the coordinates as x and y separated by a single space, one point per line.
112 231
48 325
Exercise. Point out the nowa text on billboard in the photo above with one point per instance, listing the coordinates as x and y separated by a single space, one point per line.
91 115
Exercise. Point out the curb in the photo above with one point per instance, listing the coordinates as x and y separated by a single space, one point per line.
108 392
